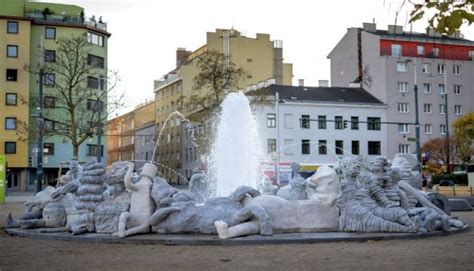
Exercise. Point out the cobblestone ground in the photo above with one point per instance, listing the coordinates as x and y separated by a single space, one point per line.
455 252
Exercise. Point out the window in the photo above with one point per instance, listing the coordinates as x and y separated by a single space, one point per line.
403 107
338 123
49 79
420 50
374 148
354 123
50 56
92 150
355 147
95 61
10 99
95 39
428 129
49 125
426 68
396 50
288 147
322 148
402 66
402 86
305 148
10 123
305 122
10 147
48 148
339 147
94 106
288 121
12 74
271 145
427 108
373 123
456 69
403 128
442 129
49 102
435 51
426 87
321 122
50 33
441 89
457 109
12 50
457 89
12 27
271 120
442 109
403 148
441 68
92 82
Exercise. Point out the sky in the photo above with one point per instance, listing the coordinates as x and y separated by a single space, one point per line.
146 33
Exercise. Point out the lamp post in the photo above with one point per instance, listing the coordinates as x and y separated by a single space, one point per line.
98 130
417 121
448 169
277 165
39 148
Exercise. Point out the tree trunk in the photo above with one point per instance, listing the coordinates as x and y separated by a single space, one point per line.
75 151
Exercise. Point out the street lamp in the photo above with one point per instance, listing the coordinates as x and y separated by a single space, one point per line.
417 117
448 170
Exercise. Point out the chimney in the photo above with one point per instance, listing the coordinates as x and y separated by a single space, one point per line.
369 27
323 83
431 32
457 35
181 56
395 29
301 82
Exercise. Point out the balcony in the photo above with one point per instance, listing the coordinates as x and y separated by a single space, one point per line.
37 16
452 55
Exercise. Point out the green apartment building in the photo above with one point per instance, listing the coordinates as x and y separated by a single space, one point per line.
29 34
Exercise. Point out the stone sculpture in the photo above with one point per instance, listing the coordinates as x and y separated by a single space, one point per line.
296 189
141 205
184 216
117 199
199 186
70 181
277 215
361 213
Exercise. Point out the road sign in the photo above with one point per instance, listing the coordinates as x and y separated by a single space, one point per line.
3 182
411 139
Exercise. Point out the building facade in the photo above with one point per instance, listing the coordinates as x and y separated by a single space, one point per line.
388 64
144 135
260 57
121 138
30 31
317 126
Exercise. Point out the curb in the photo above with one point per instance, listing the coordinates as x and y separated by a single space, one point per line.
204 240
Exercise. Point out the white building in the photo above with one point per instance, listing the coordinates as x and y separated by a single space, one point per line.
319 125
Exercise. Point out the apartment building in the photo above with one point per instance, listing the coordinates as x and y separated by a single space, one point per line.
29 34
388 64
317 126
260 57
120 139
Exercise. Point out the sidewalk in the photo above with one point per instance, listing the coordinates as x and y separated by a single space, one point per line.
13 197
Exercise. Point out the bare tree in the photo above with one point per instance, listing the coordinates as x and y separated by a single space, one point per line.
77 91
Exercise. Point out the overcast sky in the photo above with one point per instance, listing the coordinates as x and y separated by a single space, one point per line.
146 33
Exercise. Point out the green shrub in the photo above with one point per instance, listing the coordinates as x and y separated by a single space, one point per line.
459 179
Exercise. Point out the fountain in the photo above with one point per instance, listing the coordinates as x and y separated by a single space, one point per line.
236 153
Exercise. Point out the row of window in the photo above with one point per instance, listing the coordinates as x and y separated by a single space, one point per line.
402 66
427 108
373 147
397 50
373 123
404 128
403 87
48 148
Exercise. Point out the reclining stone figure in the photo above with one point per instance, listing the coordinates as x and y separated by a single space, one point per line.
277 215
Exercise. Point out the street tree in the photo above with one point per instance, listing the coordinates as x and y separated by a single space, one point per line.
444 16
464 134
79 93
436 152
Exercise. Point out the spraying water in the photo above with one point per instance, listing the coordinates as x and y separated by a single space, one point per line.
236 152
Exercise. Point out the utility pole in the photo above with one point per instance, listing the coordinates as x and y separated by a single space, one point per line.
277 109
39 166
99 107
417 121
448 168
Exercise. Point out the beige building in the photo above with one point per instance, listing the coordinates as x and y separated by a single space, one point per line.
120 139
260 57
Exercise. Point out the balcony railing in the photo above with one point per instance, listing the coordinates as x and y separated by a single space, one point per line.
70 19
466 55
